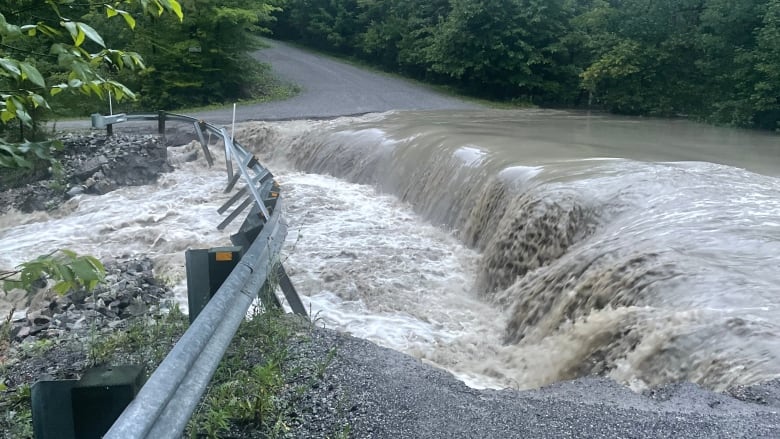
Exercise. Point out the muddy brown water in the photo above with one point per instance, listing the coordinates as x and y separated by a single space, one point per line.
645 250
513 248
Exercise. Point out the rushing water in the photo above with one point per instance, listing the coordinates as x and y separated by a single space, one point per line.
513 248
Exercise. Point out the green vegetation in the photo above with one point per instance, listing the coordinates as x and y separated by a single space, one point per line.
257 383
58 58
254 393
144 341
710 60
47 50
69 270
203 60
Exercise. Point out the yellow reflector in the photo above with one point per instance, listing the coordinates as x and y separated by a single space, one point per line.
224 256
274 194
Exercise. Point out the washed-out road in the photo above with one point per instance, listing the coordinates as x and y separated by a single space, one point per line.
380 393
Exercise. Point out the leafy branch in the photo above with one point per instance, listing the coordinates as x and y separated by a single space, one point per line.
69 270
70 47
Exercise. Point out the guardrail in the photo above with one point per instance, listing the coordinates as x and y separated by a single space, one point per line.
166 402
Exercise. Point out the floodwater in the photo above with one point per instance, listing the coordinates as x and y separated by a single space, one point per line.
513 248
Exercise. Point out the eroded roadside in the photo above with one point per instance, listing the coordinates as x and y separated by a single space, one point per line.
287 378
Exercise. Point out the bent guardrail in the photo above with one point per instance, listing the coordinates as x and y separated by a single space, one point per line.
166 402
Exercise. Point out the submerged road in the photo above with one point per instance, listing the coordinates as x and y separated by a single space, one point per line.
382 393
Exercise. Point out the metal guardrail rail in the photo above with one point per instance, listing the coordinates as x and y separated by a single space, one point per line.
166 402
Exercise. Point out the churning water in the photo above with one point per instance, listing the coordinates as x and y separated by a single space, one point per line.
513 248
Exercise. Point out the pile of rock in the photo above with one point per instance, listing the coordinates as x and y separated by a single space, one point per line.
93 164
129 290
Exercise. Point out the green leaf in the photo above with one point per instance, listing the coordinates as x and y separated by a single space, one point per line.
30 29
72 29
10 284
128 19
176 8
7 29
62 288
111 11
32 74
48 30
84 271
69 253
39 101
91 34
10 66
6 116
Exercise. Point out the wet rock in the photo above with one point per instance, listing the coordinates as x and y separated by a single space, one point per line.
134 292
92 164
103 187
41 320
35 329
74 191
84 169
21 332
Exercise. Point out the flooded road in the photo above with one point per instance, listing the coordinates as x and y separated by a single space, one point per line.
643 250
512 248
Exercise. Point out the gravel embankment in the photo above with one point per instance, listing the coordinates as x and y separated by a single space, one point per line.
381 393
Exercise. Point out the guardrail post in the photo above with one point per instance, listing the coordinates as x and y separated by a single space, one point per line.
161 122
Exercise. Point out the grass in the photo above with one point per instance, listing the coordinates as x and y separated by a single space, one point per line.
276 90
257 385
255 391
144 341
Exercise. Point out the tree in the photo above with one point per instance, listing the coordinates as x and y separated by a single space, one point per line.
203 60
503 48
81 55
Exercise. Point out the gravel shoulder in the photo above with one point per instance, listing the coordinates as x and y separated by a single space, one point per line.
385 394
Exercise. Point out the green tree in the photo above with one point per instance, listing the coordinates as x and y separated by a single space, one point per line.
643 55
330 25
81 56
503 48
69 270
397 33
204 60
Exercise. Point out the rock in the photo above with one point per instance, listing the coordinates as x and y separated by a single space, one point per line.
104 186
41 320
35 329
90 166
75 190
22 333
137 308
91 161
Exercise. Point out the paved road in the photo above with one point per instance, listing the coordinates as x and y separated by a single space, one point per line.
329 88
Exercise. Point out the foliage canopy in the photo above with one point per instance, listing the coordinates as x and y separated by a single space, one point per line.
714 60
